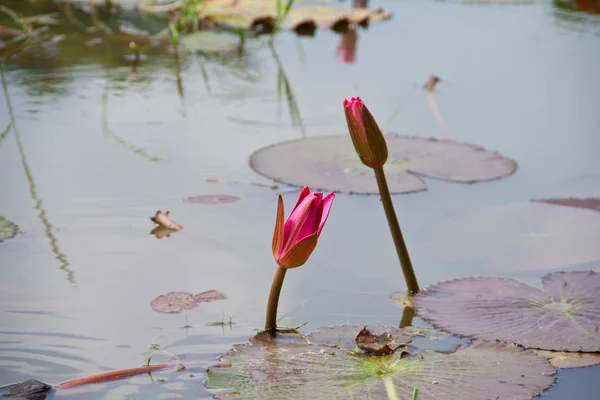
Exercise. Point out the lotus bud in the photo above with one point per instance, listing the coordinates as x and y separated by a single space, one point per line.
366 136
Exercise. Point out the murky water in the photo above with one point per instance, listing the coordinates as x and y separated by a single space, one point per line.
95 149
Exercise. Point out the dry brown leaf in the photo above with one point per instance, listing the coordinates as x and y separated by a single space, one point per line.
431 82
163 219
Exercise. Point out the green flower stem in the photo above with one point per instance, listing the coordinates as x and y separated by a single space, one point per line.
386 199
271 322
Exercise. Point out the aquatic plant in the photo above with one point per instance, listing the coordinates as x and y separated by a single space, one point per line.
295 240
371 148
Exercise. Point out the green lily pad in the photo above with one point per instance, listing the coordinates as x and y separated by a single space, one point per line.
331 163
7 229
292 369
564 316
515 237
210 41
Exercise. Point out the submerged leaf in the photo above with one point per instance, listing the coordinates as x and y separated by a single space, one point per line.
564 316
293 369
177 301
521 236
331 163
565 359
592 203
212 199
210 41
7 229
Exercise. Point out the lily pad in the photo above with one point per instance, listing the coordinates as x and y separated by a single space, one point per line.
178 301
515 237
331 163
591 203
566 359
210 41
564 316
7 229
293 369
212 199
262 14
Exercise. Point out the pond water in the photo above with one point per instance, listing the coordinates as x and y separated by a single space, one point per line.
94 149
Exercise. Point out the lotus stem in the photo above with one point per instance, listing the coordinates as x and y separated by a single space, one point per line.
271 321
407 316
386 199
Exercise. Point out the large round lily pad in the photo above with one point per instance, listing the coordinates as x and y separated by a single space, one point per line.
515 237
564 316
331 163
292 369
7 229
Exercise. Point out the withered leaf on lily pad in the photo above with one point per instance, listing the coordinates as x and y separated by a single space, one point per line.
591 203
564 316
178 301
331 163
163 219
290 368
566 359
347 335
382 344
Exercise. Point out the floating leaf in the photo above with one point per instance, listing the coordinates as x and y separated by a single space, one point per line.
565 359
210 41
262 15
591 203
293 369
212 199
30 389
564 316
177 301
163 219
331 163
7 229
520 236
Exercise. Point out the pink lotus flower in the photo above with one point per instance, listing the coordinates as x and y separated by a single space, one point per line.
294 241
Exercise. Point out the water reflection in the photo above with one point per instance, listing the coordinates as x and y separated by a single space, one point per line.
62 258
284 87
578 15
347 47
